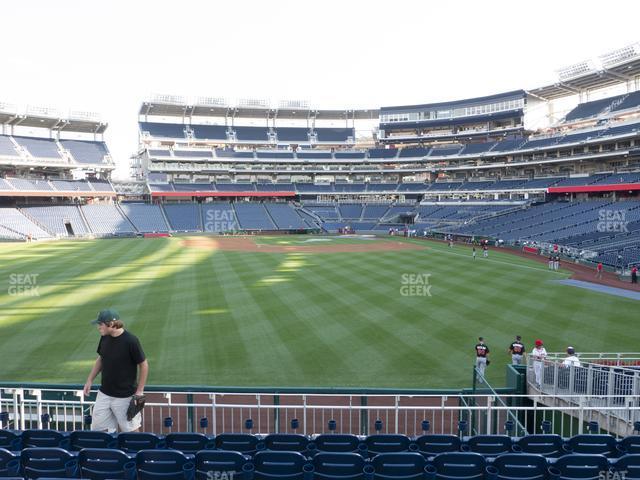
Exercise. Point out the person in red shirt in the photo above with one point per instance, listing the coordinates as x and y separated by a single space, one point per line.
634 274
599 270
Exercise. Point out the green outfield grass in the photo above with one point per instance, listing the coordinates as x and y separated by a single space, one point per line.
224 318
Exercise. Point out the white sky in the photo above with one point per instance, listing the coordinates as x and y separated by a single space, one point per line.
109 56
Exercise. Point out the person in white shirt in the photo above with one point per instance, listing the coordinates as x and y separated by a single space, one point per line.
539 353
572 360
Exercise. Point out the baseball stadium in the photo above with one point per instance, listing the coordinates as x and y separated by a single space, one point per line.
308 285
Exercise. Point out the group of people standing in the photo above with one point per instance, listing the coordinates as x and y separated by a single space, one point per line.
517 351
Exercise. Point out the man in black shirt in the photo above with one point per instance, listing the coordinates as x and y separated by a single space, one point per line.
516 349
120 357
482 355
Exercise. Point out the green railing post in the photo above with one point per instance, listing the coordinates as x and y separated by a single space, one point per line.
276 414
190 424
364 416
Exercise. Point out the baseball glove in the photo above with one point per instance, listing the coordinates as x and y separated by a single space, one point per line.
135 406
488 362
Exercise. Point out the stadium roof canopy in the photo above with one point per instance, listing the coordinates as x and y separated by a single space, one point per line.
173 106
39 117
616 67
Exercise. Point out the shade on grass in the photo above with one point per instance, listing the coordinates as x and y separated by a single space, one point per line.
219 318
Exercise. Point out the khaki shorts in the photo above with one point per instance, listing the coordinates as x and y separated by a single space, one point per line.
110 413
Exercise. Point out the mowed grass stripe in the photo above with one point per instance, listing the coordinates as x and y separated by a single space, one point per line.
224 318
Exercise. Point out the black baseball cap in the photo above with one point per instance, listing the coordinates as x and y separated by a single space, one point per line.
106 316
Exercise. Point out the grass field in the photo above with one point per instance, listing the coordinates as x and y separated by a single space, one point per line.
225 318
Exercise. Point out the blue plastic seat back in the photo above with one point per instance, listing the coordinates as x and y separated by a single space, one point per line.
136 441
9 463
210 462
338 466
90 439
10 440
459 465
46 462
430 445
549 445
581 466
278 465
630 444
43 439
523 466
593 444
189 442
490 445
161 465
629 464
237 442
336 443
286 442
408 465
386 443
105 463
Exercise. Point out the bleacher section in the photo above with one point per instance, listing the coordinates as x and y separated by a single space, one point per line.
86 152
253 216
56 218
106 220
146 218
285 216
13 220
184 217
39 147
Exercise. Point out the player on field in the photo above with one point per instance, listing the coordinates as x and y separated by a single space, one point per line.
516 349
473 252
482 358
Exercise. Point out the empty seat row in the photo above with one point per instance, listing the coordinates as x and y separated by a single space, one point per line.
103 464
550 445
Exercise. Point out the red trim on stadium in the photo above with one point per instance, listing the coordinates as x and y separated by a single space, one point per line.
223 194
595 188
51 193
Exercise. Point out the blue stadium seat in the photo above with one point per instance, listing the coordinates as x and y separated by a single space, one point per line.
593 444
44 438
164 465
136 441
238 442
105 463
459 465
515 466
398 466
489 445
337 466
386 443
48 462
287 442
211 461
80 439
431 445
630 444
10 440
549 445
338 443
578 467
629 464
9 464
189 442
279 465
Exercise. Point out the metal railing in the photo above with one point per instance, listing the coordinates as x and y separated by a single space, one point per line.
610 388
485 412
